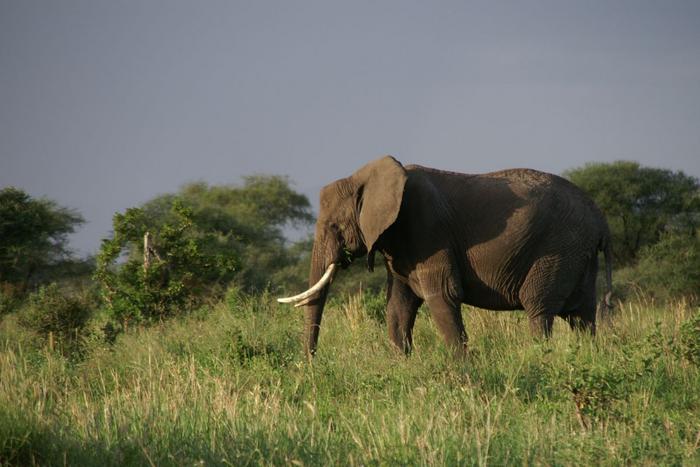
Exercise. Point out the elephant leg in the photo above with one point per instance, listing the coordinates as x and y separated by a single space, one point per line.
541 325
543 295
401 310
583 318
541 298
541 315
448 318
581 323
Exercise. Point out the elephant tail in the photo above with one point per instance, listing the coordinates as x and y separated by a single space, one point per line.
606 246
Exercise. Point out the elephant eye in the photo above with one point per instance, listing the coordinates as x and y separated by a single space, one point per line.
337 232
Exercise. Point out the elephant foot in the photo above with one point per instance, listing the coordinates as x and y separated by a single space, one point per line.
541 326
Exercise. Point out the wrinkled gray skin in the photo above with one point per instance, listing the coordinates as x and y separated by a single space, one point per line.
509 240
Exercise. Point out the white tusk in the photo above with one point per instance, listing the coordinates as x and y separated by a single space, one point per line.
303 302
327 277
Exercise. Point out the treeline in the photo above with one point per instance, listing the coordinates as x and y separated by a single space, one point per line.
654 218
203 243
181 253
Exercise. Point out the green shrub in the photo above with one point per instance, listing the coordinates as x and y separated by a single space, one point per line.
594 387
180 276
599 388
9 298
671 267
56 317
246 223
688 345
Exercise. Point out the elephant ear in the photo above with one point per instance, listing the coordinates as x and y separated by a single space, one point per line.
381 186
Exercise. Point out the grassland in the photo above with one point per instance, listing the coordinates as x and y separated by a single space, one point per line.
230 386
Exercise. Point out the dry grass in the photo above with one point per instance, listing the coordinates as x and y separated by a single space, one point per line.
234 388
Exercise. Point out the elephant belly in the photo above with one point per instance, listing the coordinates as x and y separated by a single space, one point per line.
492 279
479 294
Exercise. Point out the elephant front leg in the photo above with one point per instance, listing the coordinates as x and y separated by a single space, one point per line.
401 310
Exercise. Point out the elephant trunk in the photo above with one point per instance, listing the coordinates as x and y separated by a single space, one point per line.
314 307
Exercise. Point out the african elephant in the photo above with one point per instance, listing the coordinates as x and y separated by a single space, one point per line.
508 240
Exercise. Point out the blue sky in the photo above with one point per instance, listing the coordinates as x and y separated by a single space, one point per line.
106 104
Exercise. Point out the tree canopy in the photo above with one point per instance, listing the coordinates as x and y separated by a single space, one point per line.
173 272
203 238
641 203
33 235
248 221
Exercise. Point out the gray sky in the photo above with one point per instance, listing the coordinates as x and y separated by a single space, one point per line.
105 104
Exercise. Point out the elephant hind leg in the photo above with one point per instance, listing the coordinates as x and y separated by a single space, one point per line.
543 294
582 316
541 325
581 322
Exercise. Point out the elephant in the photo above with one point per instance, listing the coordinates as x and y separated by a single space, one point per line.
516 239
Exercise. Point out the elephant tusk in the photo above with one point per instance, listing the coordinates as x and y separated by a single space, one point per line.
325 279
303 302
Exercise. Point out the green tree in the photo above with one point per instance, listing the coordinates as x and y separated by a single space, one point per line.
641 203
248 220
178 276
203 238
33 237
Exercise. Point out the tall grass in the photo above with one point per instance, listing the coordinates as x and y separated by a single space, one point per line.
232 387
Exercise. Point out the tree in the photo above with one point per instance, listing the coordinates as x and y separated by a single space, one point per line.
33 236
203 238
248 220
641 203
172 275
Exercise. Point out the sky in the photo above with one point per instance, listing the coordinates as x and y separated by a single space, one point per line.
105 104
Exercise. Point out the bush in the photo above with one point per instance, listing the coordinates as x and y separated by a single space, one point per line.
245 223
594 388
56 317
180 276
688 345
669 269
9 298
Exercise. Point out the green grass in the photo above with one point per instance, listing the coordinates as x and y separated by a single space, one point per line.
232 387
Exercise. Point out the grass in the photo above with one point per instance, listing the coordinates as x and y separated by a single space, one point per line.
232 387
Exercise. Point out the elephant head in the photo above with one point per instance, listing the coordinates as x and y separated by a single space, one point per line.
354 212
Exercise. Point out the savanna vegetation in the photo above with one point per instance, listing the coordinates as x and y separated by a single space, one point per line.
172 350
